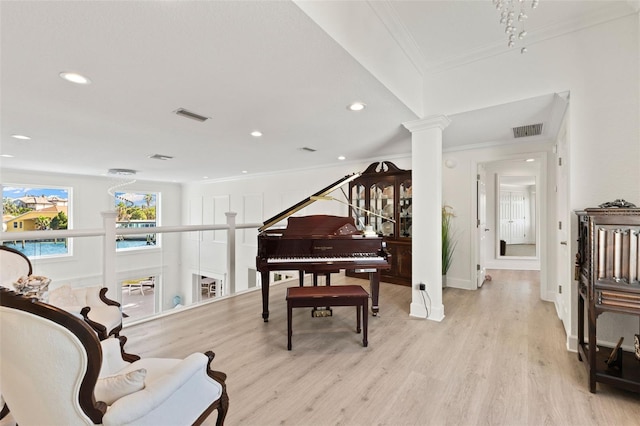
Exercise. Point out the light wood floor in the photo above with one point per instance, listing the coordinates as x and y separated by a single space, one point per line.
498 358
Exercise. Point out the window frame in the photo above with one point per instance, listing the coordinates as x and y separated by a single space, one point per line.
19 190
136 197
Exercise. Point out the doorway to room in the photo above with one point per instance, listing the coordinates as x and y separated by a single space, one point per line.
512 207
513 189
139 297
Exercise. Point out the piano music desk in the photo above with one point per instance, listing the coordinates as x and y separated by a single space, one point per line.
342 295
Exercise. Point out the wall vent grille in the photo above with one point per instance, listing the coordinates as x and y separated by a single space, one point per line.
528 130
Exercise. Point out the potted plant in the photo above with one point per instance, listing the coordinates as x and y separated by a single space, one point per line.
448 241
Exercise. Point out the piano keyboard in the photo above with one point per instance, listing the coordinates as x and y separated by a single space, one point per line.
303 259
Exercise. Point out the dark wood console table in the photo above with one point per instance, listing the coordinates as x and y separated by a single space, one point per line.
607 270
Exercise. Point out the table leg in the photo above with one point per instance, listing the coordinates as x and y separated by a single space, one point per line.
365 320
289 325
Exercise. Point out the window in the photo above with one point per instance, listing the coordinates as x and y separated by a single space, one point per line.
136 210
36 208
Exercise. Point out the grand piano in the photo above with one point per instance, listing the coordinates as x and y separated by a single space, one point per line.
318 244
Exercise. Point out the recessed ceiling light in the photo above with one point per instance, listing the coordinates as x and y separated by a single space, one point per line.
6 155
256 133
342 157
356 106
74 77
21 137
530 160
244 171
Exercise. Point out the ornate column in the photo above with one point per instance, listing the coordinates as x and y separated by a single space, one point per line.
426 246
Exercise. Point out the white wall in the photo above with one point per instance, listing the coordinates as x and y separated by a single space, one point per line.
600 67
89 199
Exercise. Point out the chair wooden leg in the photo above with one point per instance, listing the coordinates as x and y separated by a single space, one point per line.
222 409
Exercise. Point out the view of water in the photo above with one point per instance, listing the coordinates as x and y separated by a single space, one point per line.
34 249
50 248
121 244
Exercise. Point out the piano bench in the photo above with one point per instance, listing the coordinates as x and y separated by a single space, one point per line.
341 295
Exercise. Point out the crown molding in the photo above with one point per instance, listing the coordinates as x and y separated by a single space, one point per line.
387 13
551 30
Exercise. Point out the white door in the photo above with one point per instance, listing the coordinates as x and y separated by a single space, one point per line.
518 218
563 268
481 224
513 217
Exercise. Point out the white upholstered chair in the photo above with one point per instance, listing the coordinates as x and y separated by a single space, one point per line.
55 371
102 313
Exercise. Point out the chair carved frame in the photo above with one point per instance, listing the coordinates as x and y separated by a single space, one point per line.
99 328
95 410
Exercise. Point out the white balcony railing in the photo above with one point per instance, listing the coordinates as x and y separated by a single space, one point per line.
182 261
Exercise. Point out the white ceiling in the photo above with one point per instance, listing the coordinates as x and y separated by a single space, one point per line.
252 65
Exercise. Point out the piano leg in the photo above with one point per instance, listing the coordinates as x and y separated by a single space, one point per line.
374 281
265 296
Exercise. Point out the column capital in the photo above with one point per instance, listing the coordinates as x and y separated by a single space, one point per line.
434 121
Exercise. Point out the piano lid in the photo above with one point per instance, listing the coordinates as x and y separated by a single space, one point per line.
304 203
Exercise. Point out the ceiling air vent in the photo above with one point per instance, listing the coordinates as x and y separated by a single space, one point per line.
528 130
160 157
192 115
122 172
305 148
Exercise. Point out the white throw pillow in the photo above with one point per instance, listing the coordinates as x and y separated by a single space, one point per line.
110 389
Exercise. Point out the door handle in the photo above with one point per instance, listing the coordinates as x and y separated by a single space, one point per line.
486 230
564 243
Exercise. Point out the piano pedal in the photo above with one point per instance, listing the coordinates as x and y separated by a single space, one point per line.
321 312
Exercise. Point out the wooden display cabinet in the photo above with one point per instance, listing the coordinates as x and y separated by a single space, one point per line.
607 270
385 190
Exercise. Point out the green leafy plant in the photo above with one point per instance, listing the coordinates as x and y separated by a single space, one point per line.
448 238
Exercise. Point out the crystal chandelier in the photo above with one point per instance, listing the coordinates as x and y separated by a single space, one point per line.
513 15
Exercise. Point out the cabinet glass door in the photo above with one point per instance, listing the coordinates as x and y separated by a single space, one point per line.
405 208
358 200
382 203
